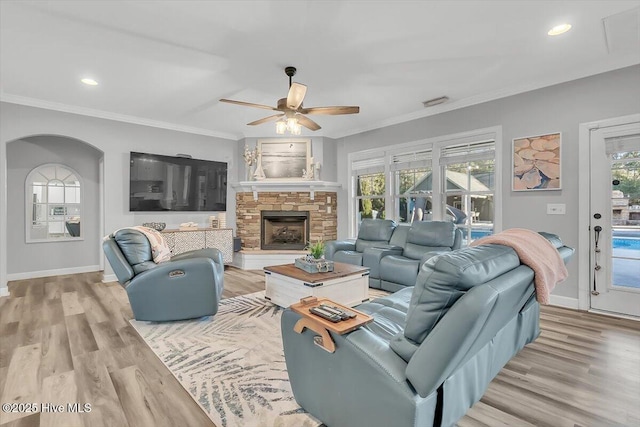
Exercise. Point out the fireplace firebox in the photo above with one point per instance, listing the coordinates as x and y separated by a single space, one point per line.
284 230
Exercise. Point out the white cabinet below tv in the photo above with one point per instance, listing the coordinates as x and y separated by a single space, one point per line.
181 241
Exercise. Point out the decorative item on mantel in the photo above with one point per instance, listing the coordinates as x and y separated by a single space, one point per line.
250 158
307 174
213 222
314 262
259 173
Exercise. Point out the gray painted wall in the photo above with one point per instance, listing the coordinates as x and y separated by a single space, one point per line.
22 157
329 169
115 139
557 108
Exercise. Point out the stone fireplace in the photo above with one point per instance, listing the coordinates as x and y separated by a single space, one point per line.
319 212
284 230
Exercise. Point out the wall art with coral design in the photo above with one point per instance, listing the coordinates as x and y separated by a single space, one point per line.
536 162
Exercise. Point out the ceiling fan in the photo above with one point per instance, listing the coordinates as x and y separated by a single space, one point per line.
292 113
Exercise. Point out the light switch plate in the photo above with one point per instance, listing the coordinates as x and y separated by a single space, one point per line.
556 208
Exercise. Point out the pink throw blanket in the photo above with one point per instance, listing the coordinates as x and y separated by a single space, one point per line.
537 253
159 248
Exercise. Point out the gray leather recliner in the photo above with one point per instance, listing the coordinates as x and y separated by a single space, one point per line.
188 286
372 233
432 349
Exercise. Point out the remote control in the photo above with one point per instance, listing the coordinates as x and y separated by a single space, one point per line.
325 314
336 311
343 313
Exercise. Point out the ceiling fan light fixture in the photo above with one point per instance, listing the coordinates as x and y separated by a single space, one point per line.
435 101
290 124
292 116
281 127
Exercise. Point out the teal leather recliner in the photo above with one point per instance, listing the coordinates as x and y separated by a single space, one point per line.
372 233
188 286
395 268
432 349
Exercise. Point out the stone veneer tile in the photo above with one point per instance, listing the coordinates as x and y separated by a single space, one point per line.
323 225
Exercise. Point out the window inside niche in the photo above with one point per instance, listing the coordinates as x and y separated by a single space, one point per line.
53 204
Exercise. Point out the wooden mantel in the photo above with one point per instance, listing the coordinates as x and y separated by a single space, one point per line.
269 185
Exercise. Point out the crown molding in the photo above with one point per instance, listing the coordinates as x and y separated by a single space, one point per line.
622 62
90 112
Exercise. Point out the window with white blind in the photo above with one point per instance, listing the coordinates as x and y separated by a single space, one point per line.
412 185
449 178
370 188
469 187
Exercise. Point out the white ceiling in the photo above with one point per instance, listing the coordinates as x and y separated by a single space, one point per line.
166 63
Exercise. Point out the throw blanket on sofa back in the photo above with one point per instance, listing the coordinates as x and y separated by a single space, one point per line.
537 253
160 251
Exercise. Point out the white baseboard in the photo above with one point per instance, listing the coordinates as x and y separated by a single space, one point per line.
4 292
106 278
260 259
56 272
566 302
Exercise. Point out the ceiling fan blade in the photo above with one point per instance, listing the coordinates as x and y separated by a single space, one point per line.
296 95
249 104
307 122
334 111
265 120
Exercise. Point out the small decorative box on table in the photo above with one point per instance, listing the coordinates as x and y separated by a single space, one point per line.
312 265
322 326
286 284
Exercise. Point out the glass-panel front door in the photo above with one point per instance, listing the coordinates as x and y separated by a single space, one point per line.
615 219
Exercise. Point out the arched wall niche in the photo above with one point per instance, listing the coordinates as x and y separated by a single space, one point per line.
26 257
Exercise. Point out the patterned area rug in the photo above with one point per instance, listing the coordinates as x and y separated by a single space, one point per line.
232 363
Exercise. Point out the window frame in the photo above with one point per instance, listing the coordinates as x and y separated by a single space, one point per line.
358 198
466 196
438 195
28 188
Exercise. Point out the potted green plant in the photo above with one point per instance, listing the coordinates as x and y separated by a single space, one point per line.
316 250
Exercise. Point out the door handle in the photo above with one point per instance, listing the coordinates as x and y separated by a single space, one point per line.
597 267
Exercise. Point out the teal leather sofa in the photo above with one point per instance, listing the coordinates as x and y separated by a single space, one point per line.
432 349
393 253
394 268
188 286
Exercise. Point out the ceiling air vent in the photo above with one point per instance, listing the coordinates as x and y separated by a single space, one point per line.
622 31
435 101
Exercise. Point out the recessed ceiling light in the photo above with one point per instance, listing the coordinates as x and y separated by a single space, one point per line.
89 82
559 29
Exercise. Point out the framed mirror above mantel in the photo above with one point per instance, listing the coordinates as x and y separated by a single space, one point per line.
278 186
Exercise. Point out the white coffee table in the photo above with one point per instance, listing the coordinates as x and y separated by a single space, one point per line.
286 284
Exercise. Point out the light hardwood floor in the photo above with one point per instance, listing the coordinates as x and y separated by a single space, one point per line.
67 339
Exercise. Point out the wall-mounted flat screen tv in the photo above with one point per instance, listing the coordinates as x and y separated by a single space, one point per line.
165 183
